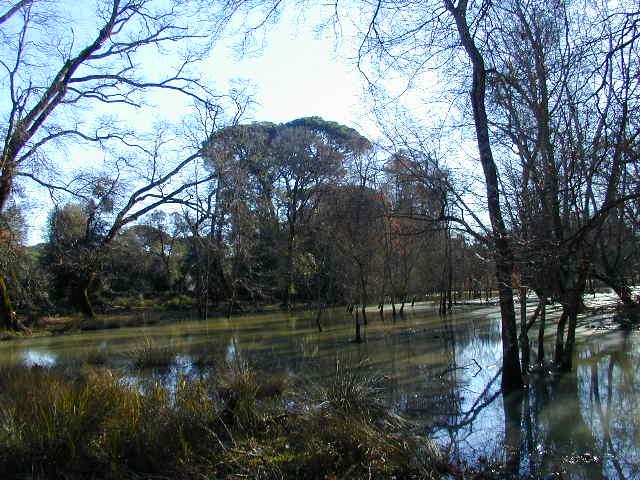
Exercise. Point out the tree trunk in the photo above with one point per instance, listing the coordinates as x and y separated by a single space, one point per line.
623 292
566 359
319 316
511 373
524 335
358 338
363 293
290 249
87 306
6 179
559 353
543 316
83 300
7 316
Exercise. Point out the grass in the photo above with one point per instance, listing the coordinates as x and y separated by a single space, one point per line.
240 424
149 353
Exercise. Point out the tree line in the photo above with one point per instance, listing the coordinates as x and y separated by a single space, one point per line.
300 212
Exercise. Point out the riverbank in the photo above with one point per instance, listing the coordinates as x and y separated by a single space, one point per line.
139 316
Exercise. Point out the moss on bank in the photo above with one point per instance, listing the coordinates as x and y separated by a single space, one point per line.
95 425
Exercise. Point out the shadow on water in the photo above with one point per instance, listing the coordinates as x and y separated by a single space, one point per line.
442 372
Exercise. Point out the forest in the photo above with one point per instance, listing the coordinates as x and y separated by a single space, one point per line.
220 215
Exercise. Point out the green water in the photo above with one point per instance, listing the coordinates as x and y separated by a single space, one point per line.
441 372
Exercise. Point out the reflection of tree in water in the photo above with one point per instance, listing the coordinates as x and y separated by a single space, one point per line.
555 435
584 424
610 393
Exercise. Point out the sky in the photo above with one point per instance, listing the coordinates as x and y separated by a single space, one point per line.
299 75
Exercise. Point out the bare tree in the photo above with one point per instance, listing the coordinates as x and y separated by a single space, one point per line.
51 77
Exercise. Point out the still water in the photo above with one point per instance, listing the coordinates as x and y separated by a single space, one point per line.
443 373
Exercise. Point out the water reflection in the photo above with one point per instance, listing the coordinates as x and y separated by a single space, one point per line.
35 358
444 373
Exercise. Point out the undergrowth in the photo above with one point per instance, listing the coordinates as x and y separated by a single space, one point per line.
235 424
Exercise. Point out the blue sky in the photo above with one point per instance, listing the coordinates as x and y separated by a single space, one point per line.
297 73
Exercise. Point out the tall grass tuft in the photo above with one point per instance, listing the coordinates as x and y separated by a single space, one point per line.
246 395
352 391
149 353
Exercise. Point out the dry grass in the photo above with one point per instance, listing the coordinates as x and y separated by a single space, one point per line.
242 424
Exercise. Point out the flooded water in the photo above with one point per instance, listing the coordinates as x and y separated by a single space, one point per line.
444 373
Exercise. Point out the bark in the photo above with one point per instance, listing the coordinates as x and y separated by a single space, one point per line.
543 315
358 338
511 373
524 336
7 316
83 298
562 323
87 306
623 292
290 250
319 316
6 180
566 358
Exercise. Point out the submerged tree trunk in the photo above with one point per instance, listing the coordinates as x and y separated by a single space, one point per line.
562 323
393 308
524 334
358 338
513 406
623 292
565 362
575 282
511 373
543 317
321 308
